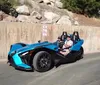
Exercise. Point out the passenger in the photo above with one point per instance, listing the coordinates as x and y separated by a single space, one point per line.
68 43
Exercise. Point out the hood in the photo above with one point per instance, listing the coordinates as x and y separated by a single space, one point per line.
32 46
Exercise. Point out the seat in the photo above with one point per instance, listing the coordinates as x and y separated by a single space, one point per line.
77 41
75 37
64 36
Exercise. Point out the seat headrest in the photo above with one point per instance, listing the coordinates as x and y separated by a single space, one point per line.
75 36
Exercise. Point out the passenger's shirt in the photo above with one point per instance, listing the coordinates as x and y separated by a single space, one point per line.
69 43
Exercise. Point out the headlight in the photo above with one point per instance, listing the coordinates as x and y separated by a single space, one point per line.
23 54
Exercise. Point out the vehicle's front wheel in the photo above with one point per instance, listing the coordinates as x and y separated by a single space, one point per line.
42 61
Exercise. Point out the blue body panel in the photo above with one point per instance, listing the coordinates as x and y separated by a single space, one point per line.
20 49
14 47
32 46
18 62
77 46
51 47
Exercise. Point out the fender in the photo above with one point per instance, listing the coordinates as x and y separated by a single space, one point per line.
16 46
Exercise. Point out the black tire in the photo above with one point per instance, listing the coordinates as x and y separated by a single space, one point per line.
81 53
9 57
42 61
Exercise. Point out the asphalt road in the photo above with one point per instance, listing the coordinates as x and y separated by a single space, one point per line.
83 72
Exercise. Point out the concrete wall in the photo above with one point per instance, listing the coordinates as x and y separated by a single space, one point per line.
30 33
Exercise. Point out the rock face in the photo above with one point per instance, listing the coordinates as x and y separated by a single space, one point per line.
23 10
59 4
46 1
36 15
21 2
76 23
34 5
51 17
10 19
65 20
33 20
41 11
22 18
53 3
30 19
2 15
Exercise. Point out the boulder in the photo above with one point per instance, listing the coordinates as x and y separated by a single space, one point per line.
65 20
76 23
21 2
36 15
33 19
40 1
34 5
46 1
59 4
23 10
46 22
23 18
52 4
53 1
50 16
30 19
69 13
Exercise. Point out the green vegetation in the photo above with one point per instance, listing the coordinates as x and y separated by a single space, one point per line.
89 8
11 2
7 7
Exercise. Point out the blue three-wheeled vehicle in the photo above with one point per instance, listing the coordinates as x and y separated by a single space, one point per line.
42 56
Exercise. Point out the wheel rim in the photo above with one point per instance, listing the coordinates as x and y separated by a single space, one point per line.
44 61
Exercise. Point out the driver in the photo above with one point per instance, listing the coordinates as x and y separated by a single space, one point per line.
68 43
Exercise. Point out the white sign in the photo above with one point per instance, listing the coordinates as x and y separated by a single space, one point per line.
44 30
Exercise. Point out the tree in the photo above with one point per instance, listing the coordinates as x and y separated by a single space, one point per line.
86 7
7 7
12 2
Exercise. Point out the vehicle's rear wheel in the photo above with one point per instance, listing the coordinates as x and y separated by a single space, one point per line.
80 54
42 61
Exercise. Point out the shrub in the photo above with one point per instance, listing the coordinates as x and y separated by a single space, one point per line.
86 7
7 7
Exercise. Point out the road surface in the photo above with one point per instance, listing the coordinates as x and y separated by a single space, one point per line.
83 72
